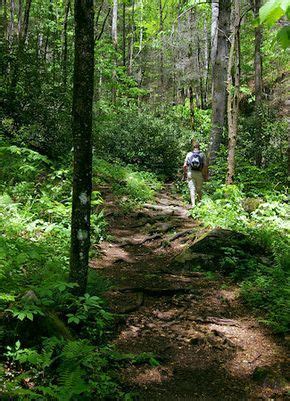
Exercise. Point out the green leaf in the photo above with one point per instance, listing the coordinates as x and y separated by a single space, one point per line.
285 4
21 315
271 12
283 37
21 258
29 315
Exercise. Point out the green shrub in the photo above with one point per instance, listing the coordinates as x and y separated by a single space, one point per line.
141 139
264 282
129 186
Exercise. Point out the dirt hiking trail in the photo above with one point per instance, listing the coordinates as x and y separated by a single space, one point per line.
208 345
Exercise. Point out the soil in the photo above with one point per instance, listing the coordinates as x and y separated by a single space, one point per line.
209 346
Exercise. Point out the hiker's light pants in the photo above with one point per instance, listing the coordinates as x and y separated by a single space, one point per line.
195 182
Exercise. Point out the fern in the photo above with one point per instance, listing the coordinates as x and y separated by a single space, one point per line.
75 356
71 383
77 350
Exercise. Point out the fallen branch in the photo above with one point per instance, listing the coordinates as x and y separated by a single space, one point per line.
135 243
156 291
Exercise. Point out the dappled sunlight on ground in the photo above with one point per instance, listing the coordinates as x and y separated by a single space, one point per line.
207 344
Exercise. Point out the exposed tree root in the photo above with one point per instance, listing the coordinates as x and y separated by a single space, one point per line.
214 320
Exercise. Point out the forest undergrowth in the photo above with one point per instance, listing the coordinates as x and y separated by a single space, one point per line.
47 335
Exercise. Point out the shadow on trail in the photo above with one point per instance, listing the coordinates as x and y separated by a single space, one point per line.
207 344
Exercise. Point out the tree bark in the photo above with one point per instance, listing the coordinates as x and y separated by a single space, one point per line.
131 48
83 84
219 80
115 44
124 34
191 106
233 90
11 22
19 16
4 39
161 54
258 56
114 24
64 56
256 4
21 45
207 50
214 30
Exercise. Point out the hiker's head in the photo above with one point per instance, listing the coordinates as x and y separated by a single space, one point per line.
195 145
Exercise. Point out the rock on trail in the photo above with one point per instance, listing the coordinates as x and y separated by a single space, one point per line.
208 345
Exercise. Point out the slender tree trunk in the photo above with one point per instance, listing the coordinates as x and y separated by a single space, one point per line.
124 34
99 35
207 61
19 17
219 80
233 90
132 39
114 24
21 45
214 30
98 17
11 22
140 72
191 106
258 56
256 4
200 73
83 83
288 150
3 39
26 22
115 44
64 51
161 54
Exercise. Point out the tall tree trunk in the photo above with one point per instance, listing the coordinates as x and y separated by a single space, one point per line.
83 82
214 30
114 24
233 90
115 44
288 150
256 4
64 51
219 80
124 34
191 106
19 17
21 45
161 53
4 39
207 49
200 74
11 22
132 39
140 72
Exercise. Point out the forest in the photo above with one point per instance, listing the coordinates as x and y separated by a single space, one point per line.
144 206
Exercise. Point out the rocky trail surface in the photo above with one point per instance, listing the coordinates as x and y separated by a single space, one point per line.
209 347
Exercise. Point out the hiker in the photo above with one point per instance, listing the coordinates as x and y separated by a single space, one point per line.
195 171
